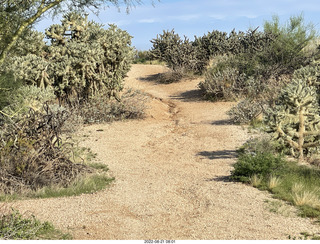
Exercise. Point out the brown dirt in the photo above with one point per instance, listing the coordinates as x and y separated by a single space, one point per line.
171 173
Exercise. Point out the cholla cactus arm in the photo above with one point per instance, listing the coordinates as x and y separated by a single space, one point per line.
296 119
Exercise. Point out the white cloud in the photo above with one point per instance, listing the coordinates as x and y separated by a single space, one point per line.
149 21
186 17
218 16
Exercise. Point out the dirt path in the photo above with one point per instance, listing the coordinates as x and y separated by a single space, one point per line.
171 174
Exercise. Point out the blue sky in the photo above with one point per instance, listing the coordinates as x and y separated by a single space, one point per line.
191 17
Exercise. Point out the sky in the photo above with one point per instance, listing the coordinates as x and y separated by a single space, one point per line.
198 17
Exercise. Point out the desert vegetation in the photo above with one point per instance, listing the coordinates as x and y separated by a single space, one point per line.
272 74
48 90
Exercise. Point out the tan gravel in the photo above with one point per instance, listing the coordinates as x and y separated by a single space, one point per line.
171 174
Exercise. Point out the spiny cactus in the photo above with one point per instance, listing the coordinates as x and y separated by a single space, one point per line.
86 58
310 73
32 69
295 120
82 60
219 43
180 54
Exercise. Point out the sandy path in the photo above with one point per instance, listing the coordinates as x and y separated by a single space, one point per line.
170 171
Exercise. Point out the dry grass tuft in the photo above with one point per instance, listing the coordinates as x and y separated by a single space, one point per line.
303 197
256 180
273 182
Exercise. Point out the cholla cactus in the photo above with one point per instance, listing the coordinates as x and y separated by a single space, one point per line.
82 60
295 120
85 58
310 73
32 69
180 54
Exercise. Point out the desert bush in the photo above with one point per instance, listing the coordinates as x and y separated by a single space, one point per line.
214 43
7 85
264 58
260 164
15 226
142 57
261 144
227 84
245 111
101 108
221 43
31 153
23 99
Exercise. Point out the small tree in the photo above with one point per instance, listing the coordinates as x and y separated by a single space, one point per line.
18 15
287 51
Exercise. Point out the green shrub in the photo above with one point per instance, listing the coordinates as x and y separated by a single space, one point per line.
14 226
260 164
7 86
256 61
262 144
142 57
286 53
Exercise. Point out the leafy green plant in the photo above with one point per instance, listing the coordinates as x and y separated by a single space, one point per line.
14 226
286 52
260 164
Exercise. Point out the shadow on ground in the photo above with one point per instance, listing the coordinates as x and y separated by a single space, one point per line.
223 178
150 78
189 96
222 122
224 154
162 78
